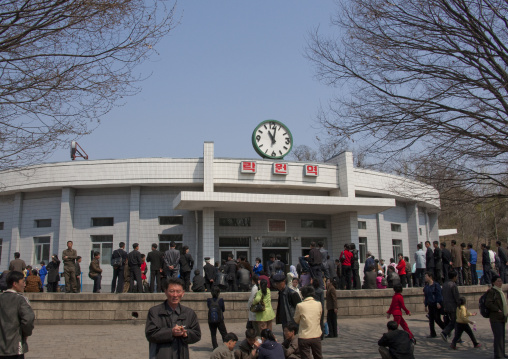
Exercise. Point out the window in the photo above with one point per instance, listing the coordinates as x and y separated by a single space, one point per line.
1 226
42 223
234 242
397 248
313 223
168 220
276 225
363 248
277 242
396 227
234 222
166 239
103 221
362 225
420 231
104 245
41 249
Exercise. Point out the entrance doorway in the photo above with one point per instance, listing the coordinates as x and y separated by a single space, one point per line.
276 245
238 246
236 253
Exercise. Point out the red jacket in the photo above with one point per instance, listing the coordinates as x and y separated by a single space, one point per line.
397 305
347 256
401 267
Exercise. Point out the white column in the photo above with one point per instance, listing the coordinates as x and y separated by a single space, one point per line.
208 167
17 210
209 234
346 175
412 228
433 227
133 232
66 229
344 230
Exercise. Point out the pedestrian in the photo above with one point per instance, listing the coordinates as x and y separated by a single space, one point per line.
225 351
451 300
503 261
171 327
290 343
487 269
216 309
429 258
264 317
156 260
134 262
498 312
355 267
466 267
381 282
43 272
186 265
395 343
369 261
392 278
95 272
258 267
69 256
438 263
307 315
396 308
332 309
319 296
474 259
78 273
315 261
401 270
248 348
172 261
409 274
456 262
420 258
17 264
462 325
210 274
118 260
53 276
16 318
346 258
269 349
433 303
294 285
33 283
447 258
253 291
230 271
243 278
288 299
198 282
369 280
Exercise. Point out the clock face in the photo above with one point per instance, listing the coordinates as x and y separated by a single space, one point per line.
272 139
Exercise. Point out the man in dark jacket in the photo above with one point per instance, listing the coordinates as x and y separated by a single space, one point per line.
186 266
231 274
503 261
433 303
171 327
288 299
118 272
447 258
487 273
17 264
498 313
315 263
134 262
395 343
429 258
156 261
247 348
466 266
198 282
210 272
438 262
16 317
243 276
53 268
451 300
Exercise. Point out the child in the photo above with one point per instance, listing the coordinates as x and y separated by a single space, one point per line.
395 310
381 281
462 324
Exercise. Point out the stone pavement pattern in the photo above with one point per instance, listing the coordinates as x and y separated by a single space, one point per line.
357 339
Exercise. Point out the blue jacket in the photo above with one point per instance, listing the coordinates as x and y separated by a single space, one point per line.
474 256
369 262
433 294
270 350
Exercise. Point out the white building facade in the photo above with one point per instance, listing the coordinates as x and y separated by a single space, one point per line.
213 205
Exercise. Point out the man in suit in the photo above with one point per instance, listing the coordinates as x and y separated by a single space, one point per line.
438 263
487 272
209 271
447 258
134 258
429 258
118 272
503 261
156 262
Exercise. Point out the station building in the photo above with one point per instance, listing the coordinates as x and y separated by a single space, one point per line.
216 206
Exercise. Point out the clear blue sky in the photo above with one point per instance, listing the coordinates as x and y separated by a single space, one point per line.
226 67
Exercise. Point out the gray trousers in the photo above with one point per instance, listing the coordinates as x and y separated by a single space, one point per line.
498 329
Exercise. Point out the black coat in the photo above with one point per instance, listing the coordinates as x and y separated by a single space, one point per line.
158 332
230 270
209 271
398 344
446 255
156 260
485 257
198 283
429 259
186 263
438 259
288 299
134 258
53 268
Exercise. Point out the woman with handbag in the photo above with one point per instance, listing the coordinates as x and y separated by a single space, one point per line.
262 306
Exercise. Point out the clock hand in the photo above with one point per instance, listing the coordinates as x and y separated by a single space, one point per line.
273 137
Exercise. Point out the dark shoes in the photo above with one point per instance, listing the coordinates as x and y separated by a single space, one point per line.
444 337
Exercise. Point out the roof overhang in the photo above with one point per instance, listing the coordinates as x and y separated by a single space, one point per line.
279 203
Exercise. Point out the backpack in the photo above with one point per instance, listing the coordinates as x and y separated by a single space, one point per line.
214 312
116 262
483 308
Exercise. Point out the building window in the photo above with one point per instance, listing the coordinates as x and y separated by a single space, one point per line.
362 225
41 249
42 223
166 239
396 227
103 221
1 226
169 220
420 231
313 223
234 242
234 222
363 248
397 248
104 245
276 225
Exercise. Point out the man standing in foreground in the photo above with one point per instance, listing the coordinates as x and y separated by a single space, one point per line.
69 257
170 326
288 300
395 343
308 315
16 318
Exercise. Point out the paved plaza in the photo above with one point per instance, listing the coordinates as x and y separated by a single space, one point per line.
357 339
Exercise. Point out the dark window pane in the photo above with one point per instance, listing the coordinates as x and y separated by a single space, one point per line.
362 225
42 223
396 227
234 222
102 238
234 241
276 241
103 221
1 226
169 220
313 223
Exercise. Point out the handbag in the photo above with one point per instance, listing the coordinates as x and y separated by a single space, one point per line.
258 307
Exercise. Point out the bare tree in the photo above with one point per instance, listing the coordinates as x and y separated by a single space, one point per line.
426 78
65 63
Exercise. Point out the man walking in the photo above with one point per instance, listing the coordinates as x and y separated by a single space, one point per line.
433 303
172 261
17 264
69 257
134 260
156 262
307 315
16 318
438 262
451 300
118 270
